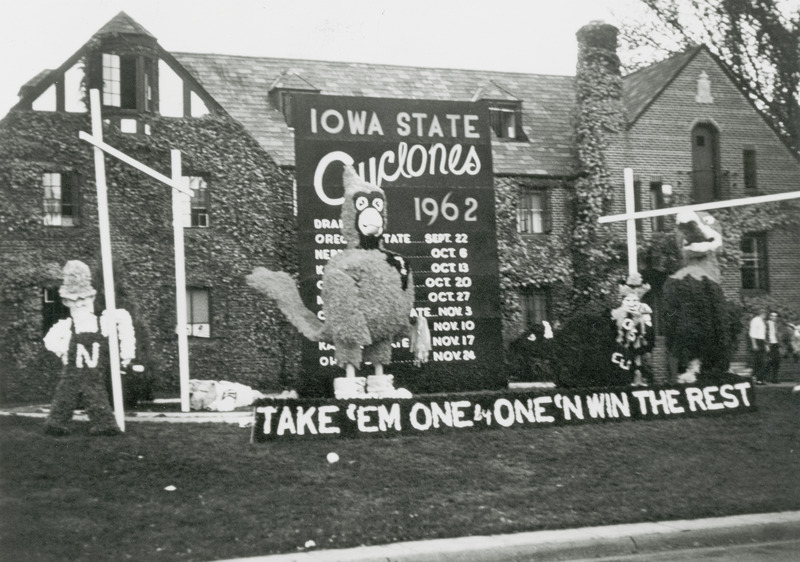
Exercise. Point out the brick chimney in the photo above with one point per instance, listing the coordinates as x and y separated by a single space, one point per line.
599 116
598 77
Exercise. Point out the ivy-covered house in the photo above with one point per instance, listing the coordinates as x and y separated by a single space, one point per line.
241 214
559 146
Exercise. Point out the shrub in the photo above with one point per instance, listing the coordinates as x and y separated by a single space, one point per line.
583 348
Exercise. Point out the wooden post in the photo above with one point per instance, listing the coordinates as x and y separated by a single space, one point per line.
176 182
108 270
630 208
180 283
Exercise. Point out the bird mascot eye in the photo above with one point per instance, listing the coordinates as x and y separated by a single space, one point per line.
361 203
378 204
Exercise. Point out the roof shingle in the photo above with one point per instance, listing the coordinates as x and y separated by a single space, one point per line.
642 87
241 85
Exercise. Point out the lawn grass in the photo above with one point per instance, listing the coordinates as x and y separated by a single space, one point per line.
104 498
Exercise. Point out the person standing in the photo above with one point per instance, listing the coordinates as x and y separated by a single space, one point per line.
758 345
773 348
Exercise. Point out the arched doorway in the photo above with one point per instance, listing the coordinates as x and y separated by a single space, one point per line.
705 163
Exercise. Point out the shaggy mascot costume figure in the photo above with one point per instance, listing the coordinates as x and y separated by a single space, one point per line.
700 325
81 342
368 295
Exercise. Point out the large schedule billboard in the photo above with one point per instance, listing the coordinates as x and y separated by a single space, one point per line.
433 159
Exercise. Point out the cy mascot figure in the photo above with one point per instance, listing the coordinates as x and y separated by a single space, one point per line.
635 335
81 342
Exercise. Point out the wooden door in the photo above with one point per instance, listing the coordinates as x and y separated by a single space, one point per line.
704 164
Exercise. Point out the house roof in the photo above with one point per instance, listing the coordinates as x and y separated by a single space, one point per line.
122 23
35 81
291 80
642 87
241 85
491 91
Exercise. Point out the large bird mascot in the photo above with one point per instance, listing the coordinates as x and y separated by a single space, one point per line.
367 294
700 324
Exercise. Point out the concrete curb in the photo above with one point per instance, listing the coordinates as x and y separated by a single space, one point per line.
570 544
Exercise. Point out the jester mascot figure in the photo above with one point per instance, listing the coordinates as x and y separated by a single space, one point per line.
634 328
81 342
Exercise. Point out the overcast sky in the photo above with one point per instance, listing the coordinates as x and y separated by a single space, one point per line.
535 36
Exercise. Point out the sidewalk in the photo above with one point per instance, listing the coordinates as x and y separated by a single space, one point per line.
242 417
570 544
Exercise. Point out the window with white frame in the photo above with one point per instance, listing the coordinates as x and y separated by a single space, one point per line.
750 169
112 81
198 317
60 199
753 267
536 306
147 84
53 308
128 82
286 107
196 208
533 213
505 120
657 202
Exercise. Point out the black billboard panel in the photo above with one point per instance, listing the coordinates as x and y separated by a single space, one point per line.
433 159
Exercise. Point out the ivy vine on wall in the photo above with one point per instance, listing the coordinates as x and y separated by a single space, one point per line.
596 253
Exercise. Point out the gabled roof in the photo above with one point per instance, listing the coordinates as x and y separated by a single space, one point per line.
34 82
292 80
241 85
494 92
642 87
122 23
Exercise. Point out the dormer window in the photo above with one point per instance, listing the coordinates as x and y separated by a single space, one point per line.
285 103
284 87
506 120
505 110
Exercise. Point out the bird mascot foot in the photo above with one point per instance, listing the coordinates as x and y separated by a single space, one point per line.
349 387
381 385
